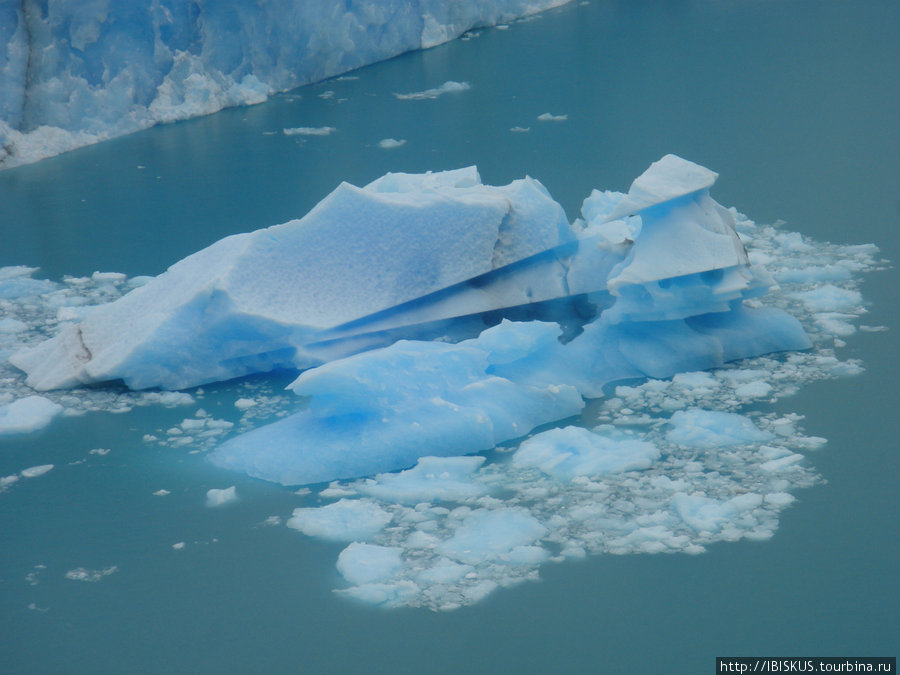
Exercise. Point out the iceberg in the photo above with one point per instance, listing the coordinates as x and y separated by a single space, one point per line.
72 74
260 301
668 277
410 256
434 315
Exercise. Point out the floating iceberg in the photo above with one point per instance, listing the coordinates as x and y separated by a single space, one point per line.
648 284
655 464
72 74
259 301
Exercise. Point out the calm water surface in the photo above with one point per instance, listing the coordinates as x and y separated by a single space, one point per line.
794 103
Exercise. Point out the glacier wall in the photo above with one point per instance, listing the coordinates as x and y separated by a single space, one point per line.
75 73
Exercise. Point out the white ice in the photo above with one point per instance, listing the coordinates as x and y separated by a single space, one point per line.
27 414
574 451
713 429
35 471
220 496
344 520
501 533
449 87
309 131
366 563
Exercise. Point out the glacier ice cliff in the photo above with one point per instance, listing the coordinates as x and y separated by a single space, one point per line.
75 73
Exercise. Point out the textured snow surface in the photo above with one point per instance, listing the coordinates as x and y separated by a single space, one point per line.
654 464
75 73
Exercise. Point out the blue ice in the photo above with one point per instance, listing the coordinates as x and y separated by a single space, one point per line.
76 73
646 284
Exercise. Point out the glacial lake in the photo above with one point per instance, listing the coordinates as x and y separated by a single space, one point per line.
795 104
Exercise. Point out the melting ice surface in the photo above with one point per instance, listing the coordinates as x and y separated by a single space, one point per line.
621 411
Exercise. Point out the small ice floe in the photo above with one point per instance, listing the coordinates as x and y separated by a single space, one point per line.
35 471
84 574
550 117
219 497
447 88
713 429
391 143
309 131
27 414
345 520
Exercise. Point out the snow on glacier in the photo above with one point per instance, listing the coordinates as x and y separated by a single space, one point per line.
658 463
72 74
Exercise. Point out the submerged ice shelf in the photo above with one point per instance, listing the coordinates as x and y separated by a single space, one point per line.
654 287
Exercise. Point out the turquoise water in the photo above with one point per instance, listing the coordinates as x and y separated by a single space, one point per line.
794 104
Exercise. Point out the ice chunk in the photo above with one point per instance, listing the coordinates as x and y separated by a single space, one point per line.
345 520
91 576
27 414
704 513
10 325
444 571
218 497
402 257
713 428
488 535
35 471
251 302
391 143
309 131
667 179
382 410
368 563
432 479
449 87
550 117
575 451
830 298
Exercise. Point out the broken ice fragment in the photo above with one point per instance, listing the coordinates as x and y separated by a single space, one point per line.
27 414
575 451
345 520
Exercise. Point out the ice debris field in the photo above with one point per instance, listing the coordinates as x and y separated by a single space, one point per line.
481 387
